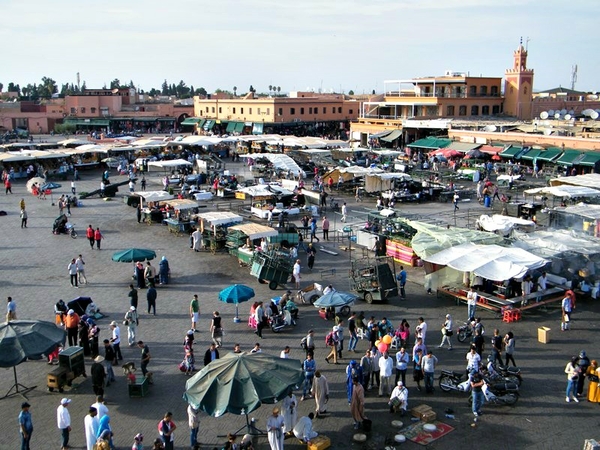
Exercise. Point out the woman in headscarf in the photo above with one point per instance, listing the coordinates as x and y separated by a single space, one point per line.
103 442
139 275
105 431
163 270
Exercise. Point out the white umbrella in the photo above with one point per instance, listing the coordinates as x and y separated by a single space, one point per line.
35 180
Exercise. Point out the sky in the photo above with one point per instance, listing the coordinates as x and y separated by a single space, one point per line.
327 45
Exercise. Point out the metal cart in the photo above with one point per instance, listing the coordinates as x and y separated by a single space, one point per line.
71 364
273 266
374 278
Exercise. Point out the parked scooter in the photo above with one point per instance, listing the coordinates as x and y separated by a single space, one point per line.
509 372
280 321
451 380
465 332
507 396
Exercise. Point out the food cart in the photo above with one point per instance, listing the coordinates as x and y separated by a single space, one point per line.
273 266
213 226
151 212
179 212
374 278
71 364
242 240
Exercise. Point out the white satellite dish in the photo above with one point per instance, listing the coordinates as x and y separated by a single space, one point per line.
557 115
563 111
587 112
593 97
594 115
547 132
551 112
572 112
490 128
544 115
568 117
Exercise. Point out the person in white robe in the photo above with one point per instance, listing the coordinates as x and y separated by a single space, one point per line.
320 391
290 412
197 240
304 430
275 430
91 425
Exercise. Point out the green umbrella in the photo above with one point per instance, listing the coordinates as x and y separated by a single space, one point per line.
239 383
134 255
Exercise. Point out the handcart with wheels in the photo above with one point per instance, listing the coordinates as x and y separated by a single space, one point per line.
274 267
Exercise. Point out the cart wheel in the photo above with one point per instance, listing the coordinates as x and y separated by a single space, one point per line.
368 297
50 389
273 285
261 281
313 299
345 310
61 390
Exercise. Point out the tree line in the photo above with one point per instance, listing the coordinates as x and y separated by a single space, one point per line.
49 88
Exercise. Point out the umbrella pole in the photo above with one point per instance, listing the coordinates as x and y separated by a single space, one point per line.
16 387
251 428
236 319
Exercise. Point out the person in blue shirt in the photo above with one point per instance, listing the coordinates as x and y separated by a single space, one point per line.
401 277
309 366
25 425
353 372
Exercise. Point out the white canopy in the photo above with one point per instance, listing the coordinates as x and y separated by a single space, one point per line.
255 230
564 191
488 261
502 223
169 163
265 190
279 161
554 242
66 142
218 218
582 209
591 180
154 196
181 204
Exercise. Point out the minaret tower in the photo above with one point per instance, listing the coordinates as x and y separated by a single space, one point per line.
518 86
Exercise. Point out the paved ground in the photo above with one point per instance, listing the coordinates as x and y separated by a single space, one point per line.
33 271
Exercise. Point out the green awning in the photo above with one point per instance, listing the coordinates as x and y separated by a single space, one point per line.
550 154
145 119
230 127
92 123
511 151
258 128
392 136
589 159
431 143
568 157
191 121
209 125
239 127
531 154
166 119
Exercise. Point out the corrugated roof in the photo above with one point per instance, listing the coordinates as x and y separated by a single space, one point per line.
463 146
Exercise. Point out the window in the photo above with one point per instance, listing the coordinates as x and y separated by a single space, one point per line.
474 110
301 111
213 109
333 110
495 109
485 110
93 110
512 89
324 110
525 90
207 109
83 110
473 91
73 110
220 110
339 109
310 109
351 111
483 90
257 108
234 110
462 110
241 110
280 113
268 111
494 91
450 110
292 111
251 110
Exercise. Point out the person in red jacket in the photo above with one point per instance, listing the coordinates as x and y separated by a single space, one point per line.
98 237
90 235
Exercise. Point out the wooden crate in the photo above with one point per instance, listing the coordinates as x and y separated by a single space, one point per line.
420 410
429 416
319 443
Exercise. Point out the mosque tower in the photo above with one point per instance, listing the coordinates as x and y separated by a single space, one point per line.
518 86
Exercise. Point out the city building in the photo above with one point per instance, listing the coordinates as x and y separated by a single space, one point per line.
563 101
302 113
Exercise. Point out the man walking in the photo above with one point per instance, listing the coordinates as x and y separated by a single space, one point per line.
344 212
109 358
72 325
81 270
91 424
353 335
151 295
23 217
11 309
133 296
98 375
131 318
476 388
325 228
472 297
167 427
72 268
402 359
320 391
89 234
145 357
25 425
194 424
116 340
98 236
63 421
497 347
386 365
566 307
428 366
447 332
194 311
401 277
309 366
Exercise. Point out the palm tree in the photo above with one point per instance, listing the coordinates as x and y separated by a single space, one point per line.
235 90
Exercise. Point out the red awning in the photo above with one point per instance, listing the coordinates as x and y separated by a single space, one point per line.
489 149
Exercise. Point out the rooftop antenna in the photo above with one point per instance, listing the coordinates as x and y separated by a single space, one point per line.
573 77
78 84
527 43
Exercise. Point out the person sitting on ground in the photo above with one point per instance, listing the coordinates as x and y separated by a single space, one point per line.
399 398
303 429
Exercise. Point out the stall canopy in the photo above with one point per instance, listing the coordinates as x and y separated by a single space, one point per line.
564 191
181 204
583 210
395 134
255 230
169 163
492 262
265 190
554 243
217 218
430 143
154 196
383 181
502 224
279 161
591 180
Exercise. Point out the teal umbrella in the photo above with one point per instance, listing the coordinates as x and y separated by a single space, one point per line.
334 299
239 383
50 186
134 255
236 293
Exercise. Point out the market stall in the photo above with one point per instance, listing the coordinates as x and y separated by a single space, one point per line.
213 227
179 212
266 197
244 238
152 212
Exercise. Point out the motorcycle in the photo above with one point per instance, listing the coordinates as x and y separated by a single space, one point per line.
513 373
504 393
465 332
451 380
280 321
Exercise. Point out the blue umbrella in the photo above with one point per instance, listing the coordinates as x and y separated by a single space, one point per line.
50 186
236 293
334 299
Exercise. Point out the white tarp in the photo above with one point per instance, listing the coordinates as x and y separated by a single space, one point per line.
169 163
255 230
502 223
154 196
219 218
265 190
551 243
583 210
564 191
279 161
591 180
492 262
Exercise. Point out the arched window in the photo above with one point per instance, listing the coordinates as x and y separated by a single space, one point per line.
474 110
473 91
485 110
483 91
462 110
494 91
450 110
